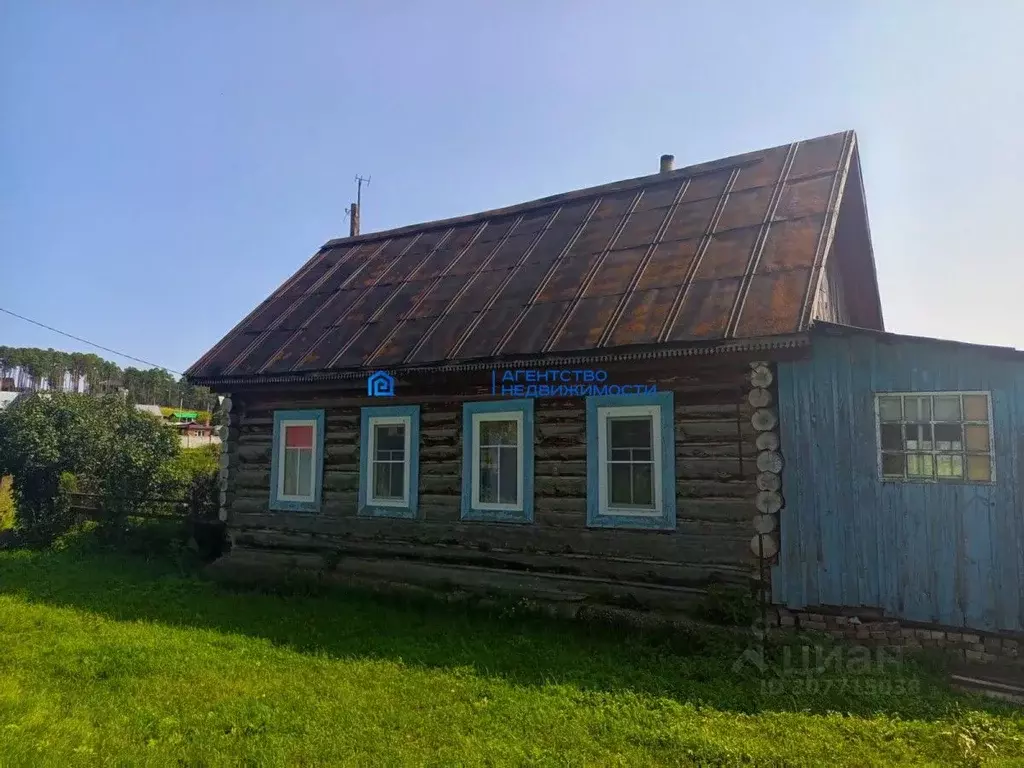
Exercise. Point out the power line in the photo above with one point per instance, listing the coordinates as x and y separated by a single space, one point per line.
90 343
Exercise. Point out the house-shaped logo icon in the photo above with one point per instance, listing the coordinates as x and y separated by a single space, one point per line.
380 384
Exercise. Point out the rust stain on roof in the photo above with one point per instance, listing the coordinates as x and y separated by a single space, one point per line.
729 249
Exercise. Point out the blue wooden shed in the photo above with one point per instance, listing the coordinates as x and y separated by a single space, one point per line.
903 479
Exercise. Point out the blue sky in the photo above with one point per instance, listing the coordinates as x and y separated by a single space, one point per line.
165 165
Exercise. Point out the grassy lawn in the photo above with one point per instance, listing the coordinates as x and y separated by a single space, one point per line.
110 659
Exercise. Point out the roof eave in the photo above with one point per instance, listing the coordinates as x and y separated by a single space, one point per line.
719 347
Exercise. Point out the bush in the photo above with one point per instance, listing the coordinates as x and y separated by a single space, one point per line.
730 605
114 450
6 504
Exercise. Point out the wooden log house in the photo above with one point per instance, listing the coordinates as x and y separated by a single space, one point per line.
679 291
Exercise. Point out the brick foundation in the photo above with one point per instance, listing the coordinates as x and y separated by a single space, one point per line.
872 630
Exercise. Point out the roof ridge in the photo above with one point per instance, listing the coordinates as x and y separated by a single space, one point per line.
709 166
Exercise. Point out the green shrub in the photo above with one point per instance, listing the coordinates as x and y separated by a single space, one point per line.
114 450
728 604
6 504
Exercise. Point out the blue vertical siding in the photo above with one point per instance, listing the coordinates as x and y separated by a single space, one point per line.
943 553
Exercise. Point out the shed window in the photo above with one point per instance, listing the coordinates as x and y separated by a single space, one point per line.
296 461
498 461
935 436
631 461
389 461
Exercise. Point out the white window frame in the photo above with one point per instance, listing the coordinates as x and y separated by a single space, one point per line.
371 451
965 480
282 452
604 414
478 419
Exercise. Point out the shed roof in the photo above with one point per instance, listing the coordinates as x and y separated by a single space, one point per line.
728 250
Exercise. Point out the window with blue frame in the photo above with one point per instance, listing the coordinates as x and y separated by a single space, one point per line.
389 449
497 461
631 461
297 461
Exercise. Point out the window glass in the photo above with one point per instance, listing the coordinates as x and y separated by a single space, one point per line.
498 461
935 436
298 460
389 461
630 462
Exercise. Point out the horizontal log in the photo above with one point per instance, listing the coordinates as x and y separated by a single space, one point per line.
715 489
693 541
604 568
560 486
254 454
470 578
248 477
576 451
733 449
341 498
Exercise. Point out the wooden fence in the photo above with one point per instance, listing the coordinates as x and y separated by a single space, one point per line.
90 505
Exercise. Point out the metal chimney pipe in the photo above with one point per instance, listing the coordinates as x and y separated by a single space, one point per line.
667 163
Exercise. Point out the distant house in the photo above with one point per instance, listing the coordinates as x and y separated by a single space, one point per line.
153 410
629 393
193 435
190 433
6 398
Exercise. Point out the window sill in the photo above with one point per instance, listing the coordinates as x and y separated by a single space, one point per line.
660 522
926 481
278 505
497 516
401 513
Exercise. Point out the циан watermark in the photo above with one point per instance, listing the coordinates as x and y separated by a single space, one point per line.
818 669
557 382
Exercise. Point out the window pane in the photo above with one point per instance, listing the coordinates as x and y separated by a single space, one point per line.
629 433
304 470
949 437
979 468
920 465
947 408
619 480
498 433
892 438
390 438
298 436
975 408
290 472
381 479
919 437
508 476
890 408
629 454
917 409
977 437
396 489
489 475
643 485
893 464
949 466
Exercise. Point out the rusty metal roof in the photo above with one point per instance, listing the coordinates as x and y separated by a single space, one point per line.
727 250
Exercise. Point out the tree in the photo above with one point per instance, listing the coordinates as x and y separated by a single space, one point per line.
113 450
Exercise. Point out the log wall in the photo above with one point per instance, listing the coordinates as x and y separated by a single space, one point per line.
557 554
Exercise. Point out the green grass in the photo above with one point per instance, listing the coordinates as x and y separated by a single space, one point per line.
110 659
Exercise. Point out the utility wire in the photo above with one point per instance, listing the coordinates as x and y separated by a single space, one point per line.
86 341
